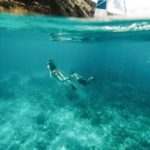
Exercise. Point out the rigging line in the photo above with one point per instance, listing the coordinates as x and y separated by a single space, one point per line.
101 3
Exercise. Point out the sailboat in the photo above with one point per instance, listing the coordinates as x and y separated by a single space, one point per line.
102 12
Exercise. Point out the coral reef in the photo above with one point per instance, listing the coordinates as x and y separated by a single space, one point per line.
41 117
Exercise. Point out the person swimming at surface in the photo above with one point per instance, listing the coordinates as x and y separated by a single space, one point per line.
81 80
58 75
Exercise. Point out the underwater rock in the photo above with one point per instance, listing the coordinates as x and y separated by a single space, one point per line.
72 96
96 120
40 119
69 8
53 130
42 145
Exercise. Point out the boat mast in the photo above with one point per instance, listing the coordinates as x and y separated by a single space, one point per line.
125 6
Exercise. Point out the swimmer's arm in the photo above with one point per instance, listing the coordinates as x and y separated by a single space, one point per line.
50 73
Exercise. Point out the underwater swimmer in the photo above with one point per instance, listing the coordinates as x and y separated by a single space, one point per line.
81 80
58 75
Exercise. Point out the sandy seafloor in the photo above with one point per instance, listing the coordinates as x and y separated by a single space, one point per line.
39 113
35 115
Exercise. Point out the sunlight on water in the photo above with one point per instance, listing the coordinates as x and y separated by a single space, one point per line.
40 113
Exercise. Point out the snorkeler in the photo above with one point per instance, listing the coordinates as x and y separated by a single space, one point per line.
80 80
53 70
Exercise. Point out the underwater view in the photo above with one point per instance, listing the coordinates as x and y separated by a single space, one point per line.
103 99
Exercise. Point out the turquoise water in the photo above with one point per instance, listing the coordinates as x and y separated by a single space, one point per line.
39 113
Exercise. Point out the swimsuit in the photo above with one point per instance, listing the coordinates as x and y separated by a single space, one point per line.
82 82
56 72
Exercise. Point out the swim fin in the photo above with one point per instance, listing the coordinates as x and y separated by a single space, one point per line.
73 87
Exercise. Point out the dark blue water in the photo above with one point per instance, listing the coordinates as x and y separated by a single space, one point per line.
111 113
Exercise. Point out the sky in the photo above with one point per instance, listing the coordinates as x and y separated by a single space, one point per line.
135 8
